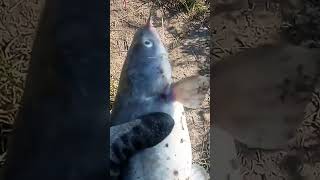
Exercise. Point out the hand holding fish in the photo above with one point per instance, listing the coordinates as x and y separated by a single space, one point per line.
129 138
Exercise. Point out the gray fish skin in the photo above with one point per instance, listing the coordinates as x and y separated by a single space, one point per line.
145 79
145 87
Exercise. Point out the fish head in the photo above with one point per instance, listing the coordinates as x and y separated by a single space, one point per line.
147 66
146 80
147 43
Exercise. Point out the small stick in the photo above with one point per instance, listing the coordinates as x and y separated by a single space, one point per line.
125 4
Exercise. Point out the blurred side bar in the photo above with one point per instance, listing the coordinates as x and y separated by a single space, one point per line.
61 131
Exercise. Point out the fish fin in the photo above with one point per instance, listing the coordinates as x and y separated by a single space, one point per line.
191 91
198 173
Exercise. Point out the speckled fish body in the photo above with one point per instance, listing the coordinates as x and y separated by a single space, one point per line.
150 92
170 159
145 87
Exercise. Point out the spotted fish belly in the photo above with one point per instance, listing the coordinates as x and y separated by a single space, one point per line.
169 160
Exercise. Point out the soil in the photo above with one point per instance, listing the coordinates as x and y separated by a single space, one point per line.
18 22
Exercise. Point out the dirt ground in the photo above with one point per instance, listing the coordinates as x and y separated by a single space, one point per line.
187 40
247 27
18 20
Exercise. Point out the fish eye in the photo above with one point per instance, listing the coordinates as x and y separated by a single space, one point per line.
148 43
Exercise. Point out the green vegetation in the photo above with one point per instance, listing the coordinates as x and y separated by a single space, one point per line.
186 6
193 5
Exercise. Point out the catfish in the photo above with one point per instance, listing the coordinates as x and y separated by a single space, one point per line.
146 86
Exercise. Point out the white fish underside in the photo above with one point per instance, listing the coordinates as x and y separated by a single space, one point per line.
171 159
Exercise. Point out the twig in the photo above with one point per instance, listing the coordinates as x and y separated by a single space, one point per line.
15 5
124 51
119 30
6 53
130 24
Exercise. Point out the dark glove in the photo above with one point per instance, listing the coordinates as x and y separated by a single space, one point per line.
129 138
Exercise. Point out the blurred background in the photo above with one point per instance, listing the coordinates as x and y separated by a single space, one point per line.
18 23
238 25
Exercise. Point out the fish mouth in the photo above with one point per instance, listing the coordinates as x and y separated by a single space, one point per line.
149 23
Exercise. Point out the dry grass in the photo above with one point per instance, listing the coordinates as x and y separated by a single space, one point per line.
302 27
183 6
11 83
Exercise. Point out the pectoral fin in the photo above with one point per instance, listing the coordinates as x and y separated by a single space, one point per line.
191 91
